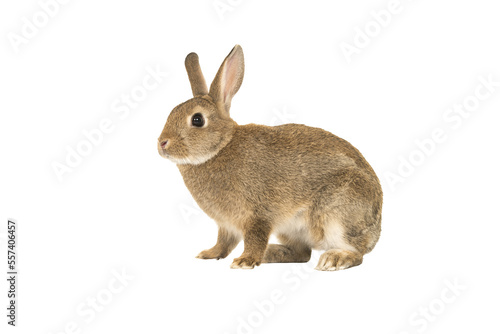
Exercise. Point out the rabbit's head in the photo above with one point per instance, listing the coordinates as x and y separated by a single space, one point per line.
199 128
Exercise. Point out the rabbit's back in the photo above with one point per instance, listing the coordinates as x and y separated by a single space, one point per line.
293 155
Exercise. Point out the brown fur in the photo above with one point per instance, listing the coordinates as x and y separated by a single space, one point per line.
311 188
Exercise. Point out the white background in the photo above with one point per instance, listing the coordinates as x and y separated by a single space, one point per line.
125 208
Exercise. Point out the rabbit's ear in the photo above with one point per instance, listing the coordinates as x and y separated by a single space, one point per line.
228 79
198 84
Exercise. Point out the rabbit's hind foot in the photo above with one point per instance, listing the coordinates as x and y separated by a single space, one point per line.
338 259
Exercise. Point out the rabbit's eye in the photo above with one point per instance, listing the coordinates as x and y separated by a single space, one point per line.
198 120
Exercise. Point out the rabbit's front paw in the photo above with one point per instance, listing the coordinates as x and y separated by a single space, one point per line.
211 254
244 262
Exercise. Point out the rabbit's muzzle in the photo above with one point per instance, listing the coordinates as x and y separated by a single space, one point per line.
162 147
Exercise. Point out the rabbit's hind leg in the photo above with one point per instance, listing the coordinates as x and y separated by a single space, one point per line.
340 231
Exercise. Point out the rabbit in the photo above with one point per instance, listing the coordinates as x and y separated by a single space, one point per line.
308 187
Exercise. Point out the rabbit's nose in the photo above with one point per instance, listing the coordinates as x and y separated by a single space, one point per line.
163 143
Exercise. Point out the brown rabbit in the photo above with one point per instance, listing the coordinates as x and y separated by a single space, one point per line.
310 188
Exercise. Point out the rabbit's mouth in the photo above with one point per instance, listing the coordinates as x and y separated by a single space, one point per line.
163 151
164 154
